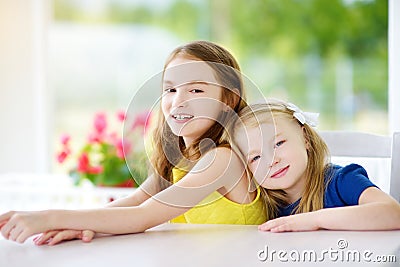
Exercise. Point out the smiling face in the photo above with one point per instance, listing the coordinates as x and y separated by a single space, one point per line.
276 155
191 100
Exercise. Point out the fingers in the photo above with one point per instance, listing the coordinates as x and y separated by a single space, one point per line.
44 238
10 228
37 238
55 237
22 237
281 228
18 234
65 235
275 225
14 233
267 226
87 235
2 224
6 216
6 229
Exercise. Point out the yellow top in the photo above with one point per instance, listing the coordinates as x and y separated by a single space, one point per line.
217 209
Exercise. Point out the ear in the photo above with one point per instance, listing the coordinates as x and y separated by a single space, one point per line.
236 92
234 100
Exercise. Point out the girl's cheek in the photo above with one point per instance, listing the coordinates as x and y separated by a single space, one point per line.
261 177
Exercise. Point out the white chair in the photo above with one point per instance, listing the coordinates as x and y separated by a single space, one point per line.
360 145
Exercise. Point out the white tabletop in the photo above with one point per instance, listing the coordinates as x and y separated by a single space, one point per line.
212 245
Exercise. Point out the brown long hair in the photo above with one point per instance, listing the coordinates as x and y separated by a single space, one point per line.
169 150
317 152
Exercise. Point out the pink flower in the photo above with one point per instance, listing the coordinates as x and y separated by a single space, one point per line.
85 167
121 115
142 120
122 147
95 138
100 122
83 163
95 169
108 147
62 156
113 137
65 139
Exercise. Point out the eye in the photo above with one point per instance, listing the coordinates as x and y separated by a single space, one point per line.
279 143
170 90
254 159
196 90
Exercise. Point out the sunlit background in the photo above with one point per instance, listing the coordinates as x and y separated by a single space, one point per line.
326 56
62 61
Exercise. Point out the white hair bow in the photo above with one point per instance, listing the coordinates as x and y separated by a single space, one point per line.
309 118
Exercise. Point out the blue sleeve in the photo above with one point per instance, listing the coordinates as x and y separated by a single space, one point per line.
351 181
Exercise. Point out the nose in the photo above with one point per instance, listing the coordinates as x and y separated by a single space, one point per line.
179 99
275 158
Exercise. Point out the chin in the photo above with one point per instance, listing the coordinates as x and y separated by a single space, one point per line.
271 186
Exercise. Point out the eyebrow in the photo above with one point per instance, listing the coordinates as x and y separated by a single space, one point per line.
189 82
167 82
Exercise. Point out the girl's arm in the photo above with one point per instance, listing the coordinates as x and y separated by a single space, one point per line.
148 188
219 168
376 211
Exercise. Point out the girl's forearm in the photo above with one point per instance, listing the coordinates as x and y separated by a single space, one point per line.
129 201
118 220
371 216
141 194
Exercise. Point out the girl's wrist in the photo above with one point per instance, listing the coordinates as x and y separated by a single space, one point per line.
52 218
319 218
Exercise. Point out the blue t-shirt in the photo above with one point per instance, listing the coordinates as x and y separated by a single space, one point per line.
344 187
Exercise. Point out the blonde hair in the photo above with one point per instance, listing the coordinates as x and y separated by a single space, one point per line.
318 157
168 149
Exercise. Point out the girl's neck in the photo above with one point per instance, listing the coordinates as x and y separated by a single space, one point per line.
187 141
295 192
292 197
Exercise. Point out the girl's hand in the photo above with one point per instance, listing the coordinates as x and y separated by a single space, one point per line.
54 237
18 226
295 223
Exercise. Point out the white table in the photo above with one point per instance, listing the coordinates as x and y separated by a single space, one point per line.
211 245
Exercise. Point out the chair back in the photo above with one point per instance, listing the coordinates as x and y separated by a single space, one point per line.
366 145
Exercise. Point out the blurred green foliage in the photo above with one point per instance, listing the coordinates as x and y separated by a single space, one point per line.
288 31
283 28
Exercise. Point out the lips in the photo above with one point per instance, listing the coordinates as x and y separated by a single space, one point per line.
281 172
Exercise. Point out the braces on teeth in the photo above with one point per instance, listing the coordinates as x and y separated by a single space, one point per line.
182 117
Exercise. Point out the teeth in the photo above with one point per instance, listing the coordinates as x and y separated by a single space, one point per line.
182 117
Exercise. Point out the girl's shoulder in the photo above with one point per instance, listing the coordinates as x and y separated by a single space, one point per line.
217 168
345 184
222 155
219 157
337 171
220 150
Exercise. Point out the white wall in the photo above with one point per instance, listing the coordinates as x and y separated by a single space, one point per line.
394 65
23 97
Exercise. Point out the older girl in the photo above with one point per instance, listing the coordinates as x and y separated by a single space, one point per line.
202 90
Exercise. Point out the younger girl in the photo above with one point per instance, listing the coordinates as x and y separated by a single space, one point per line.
290 160
202 90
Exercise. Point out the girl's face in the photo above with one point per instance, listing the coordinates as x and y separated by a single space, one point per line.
277 156
191 100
